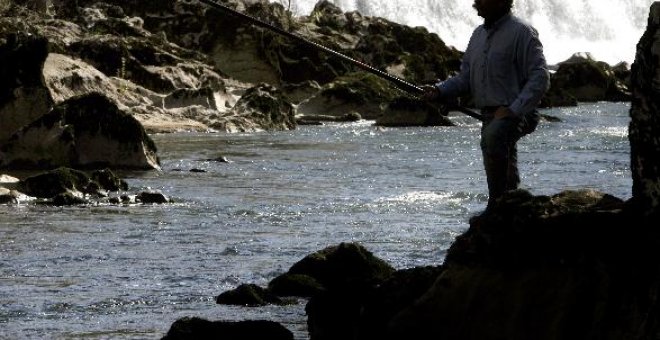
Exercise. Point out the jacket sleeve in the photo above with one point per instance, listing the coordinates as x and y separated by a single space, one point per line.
535 79
459 84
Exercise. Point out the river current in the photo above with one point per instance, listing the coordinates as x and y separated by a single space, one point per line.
128 272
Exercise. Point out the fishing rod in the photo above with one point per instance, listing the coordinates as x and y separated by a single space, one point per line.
400 83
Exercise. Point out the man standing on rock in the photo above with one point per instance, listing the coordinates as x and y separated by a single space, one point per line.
505 71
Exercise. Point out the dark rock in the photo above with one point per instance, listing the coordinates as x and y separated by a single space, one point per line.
24 96
108 180
644 130
405 111
84 132
557 97
58 181
341 314
68 199
248 295
588 80
71 184
295 285
311 119
200 329
543 267
347 265
152 197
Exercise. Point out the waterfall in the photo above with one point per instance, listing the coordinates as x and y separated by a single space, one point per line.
608 29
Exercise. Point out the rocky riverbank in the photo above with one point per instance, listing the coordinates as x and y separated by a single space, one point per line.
182 66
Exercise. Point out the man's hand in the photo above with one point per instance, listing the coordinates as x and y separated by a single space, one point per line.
502 112
431 93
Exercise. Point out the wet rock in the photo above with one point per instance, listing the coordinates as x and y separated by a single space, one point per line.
248 295
65 180
107 180
24 96
84 132
68 199
152 197
196 328
405 111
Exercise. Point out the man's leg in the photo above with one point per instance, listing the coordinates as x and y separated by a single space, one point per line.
498 146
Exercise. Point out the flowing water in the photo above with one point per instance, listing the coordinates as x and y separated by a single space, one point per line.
128 272
609 29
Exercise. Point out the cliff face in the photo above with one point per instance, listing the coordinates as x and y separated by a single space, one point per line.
645 113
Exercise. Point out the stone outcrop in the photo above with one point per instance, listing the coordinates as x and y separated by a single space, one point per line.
644 131
589 80
359 92
83 132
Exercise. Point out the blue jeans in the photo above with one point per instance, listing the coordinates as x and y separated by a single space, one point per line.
500 153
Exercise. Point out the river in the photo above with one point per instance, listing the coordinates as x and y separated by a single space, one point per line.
128 272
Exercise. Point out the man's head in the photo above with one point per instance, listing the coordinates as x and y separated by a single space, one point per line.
490 9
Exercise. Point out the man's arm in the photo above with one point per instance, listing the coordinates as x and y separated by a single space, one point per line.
459 84
534 68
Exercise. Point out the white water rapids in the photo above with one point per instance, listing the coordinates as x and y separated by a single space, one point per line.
608 29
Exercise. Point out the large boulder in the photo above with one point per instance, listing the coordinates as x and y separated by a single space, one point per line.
24 96
644 131
200 329
589 80
84 132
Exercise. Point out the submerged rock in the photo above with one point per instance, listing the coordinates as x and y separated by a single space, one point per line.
84 132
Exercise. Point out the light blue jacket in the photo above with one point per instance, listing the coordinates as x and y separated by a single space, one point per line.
503 65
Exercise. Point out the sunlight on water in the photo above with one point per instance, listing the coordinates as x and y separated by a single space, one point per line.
128 272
